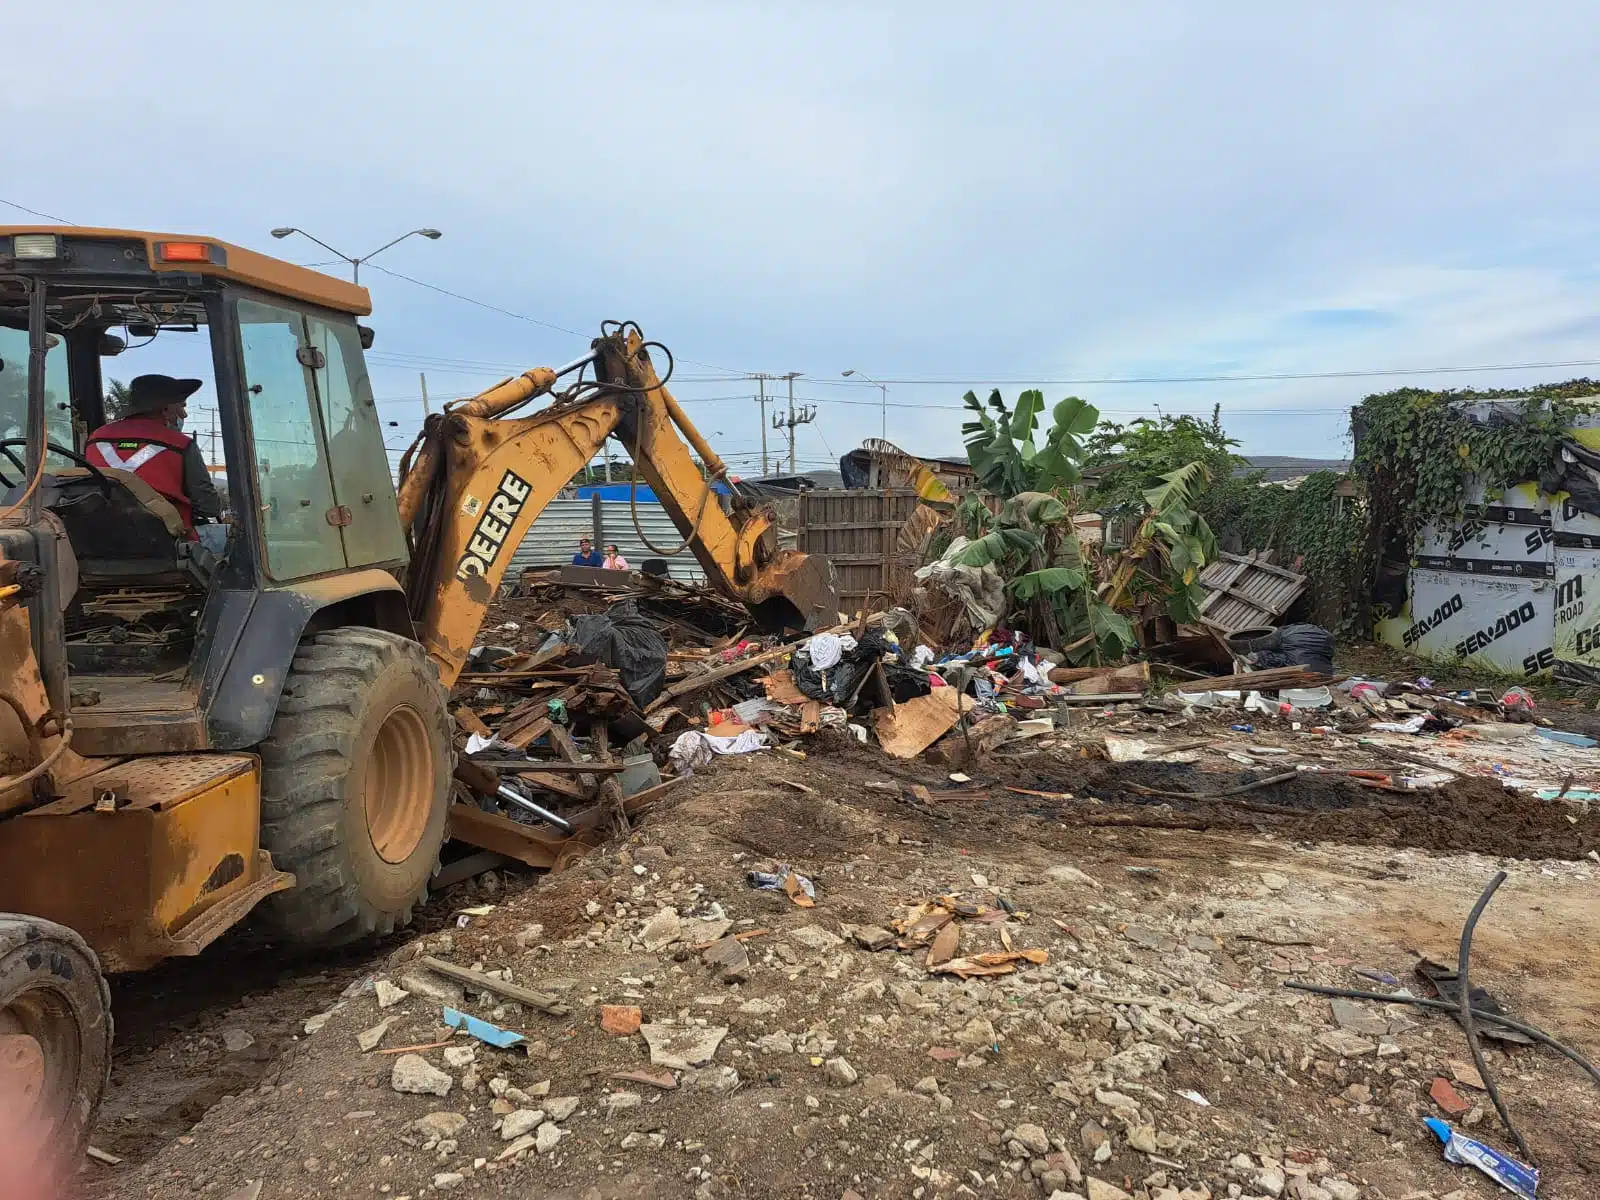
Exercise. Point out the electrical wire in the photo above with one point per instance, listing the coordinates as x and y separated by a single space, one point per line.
433 287
34 212
522 316
1109 380
1462 981
1449 1006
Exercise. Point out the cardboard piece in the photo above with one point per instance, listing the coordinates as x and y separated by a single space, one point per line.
910 728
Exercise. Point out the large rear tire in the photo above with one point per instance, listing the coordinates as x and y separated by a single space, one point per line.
355 786
55 1041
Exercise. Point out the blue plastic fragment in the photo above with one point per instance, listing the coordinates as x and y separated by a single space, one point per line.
1515 1177
491 1035
1571 739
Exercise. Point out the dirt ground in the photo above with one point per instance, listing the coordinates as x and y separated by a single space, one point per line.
1157 1030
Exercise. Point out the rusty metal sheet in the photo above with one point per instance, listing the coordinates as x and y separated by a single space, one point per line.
1246 592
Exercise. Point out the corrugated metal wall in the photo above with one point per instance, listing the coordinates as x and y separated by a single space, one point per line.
553 539
855 528
616 525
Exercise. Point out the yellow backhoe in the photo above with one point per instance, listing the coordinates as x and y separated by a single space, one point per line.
193 734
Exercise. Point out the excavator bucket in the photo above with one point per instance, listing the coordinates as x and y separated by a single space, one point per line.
795 591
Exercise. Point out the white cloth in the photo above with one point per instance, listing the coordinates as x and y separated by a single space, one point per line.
825 650
696 749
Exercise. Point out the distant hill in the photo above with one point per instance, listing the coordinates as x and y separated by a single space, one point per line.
1280 466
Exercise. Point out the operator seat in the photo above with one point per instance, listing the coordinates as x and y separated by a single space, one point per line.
120 527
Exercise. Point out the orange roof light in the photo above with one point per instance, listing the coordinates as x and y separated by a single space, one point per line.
196 252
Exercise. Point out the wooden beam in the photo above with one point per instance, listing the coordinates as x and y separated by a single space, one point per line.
499 987
531 844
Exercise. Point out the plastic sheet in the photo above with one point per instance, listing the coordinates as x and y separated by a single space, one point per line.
623 639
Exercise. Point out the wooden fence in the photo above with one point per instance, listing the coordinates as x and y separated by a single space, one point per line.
855 528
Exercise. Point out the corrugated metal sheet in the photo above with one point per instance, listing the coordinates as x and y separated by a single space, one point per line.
1246 593
553 539
616 525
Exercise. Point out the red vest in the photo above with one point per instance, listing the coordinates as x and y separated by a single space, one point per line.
152 451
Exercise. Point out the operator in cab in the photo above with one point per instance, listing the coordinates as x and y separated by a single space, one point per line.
149 441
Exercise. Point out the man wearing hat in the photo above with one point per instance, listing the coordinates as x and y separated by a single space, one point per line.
149 441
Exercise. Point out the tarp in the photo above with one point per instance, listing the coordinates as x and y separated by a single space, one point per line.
621 638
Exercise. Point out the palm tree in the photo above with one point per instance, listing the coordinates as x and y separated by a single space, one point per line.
117 397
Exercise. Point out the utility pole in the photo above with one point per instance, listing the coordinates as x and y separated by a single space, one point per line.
806 414
790 377
426 411
762 400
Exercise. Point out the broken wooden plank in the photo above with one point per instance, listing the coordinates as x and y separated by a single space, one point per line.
536 845
499 987
471 722
549 781
705 679
781 688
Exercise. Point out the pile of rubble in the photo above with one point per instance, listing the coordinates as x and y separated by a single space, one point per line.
598 694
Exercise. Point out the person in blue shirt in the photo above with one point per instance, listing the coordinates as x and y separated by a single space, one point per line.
587 555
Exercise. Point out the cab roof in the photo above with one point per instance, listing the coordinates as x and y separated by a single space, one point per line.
230 262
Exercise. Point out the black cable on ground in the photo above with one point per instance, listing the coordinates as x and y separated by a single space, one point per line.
1463 981
1448 1006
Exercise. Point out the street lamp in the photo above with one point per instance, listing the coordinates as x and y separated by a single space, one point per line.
284 231
882 387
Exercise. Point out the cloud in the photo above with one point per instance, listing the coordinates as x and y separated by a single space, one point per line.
907 189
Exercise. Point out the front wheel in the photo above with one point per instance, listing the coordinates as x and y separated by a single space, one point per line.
55 1044
355 786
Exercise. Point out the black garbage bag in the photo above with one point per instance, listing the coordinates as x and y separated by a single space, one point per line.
906 683
1309 646
840 682
807 678
627 641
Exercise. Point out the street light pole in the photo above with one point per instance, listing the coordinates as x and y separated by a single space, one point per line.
284 231
884 407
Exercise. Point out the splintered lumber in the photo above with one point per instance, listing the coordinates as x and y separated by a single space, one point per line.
908 729
781 688
471 722
704 679
1269 680
1091 681
499 987
532 721
550 782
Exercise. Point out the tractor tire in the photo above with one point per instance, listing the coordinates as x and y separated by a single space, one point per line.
55 1043
355 786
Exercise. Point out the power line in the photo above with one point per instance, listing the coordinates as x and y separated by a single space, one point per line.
34 212
1108 380
433 287
523 317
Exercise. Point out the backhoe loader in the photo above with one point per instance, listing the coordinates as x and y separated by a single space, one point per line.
190 737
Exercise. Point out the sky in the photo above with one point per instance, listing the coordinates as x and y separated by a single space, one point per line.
935 197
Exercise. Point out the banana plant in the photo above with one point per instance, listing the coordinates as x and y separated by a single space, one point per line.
1001 449
1077 599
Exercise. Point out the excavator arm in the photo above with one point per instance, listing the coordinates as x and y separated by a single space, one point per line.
478 478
